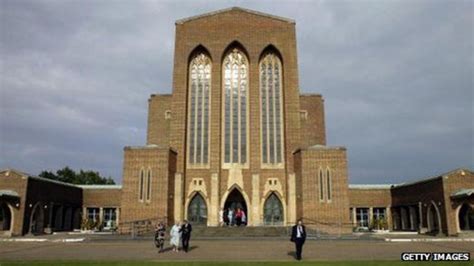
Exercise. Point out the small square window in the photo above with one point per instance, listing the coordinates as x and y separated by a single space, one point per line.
304 114
168 114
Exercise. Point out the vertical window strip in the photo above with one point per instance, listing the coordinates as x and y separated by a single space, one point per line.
140 186
329 184
198 138
263 92
235 107
321 185
148 186
271 110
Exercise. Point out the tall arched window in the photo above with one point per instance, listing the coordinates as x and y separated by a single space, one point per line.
199 92
329 184
321 185
141 182
235 86
271 109
148 185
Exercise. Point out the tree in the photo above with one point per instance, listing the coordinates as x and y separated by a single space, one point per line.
68 175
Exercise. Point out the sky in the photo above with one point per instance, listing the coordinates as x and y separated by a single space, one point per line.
396 76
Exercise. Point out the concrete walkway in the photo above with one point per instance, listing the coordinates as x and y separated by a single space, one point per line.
223 250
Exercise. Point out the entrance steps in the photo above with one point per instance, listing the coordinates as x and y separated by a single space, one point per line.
235 232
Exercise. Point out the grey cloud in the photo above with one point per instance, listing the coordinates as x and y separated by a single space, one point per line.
396 77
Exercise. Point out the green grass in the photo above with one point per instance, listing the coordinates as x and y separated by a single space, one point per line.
240 263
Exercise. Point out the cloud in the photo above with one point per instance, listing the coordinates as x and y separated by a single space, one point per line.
396 77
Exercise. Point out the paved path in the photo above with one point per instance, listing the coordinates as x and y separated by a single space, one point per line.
223 250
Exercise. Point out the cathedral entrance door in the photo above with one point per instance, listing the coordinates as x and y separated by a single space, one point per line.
197 210
235 201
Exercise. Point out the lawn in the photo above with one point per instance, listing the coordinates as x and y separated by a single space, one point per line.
239 263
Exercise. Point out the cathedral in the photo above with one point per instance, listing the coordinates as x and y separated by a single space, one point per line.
236 132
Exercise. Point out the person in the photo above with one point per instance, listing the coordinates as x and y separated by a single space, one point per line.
298 236
160 231
244 218
238 217
226 217
230 216
186 229
175 235
221 217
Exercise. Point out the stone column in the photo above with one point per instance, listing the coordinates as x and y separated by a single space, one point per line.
354 216
101 217
117 215
420 215
255 209
214 208
291 199
388 217
178 197
371 216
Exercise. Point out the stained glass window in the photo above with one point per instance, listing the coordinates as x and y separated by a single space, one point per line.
199 89
235 71
271 109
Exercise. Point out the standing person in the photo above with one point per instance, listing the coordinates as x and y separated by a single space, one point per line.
244 218
230 215
175 235
298 235
186 229
238 217
221 217
226 217
160 232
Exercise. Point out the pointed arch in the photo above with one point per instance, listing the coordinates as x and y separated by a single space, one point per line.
273 210
433 218
197 209
235 110
199 49
199 107
245 197
464 217
270 48
36 225
6 218
232 45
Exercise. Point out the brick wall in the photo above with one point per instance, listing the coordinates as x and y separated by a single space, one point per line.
329 214
157 159
313 130
159 120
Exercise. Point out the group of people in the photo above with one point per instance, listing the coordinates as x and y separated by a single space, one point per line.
232 217
180 234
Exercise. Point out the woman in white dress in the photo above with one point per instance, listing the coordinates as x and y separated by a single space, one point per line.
175 235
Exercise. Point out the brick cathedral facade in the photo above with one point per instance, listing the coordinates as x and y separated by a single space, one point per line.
237 133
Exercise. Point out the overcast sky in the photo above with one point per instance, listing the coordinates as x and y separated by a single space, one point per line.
397 78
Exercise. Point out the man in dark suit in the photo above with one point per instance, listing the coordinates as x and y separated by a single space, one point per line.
186 229
298 235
